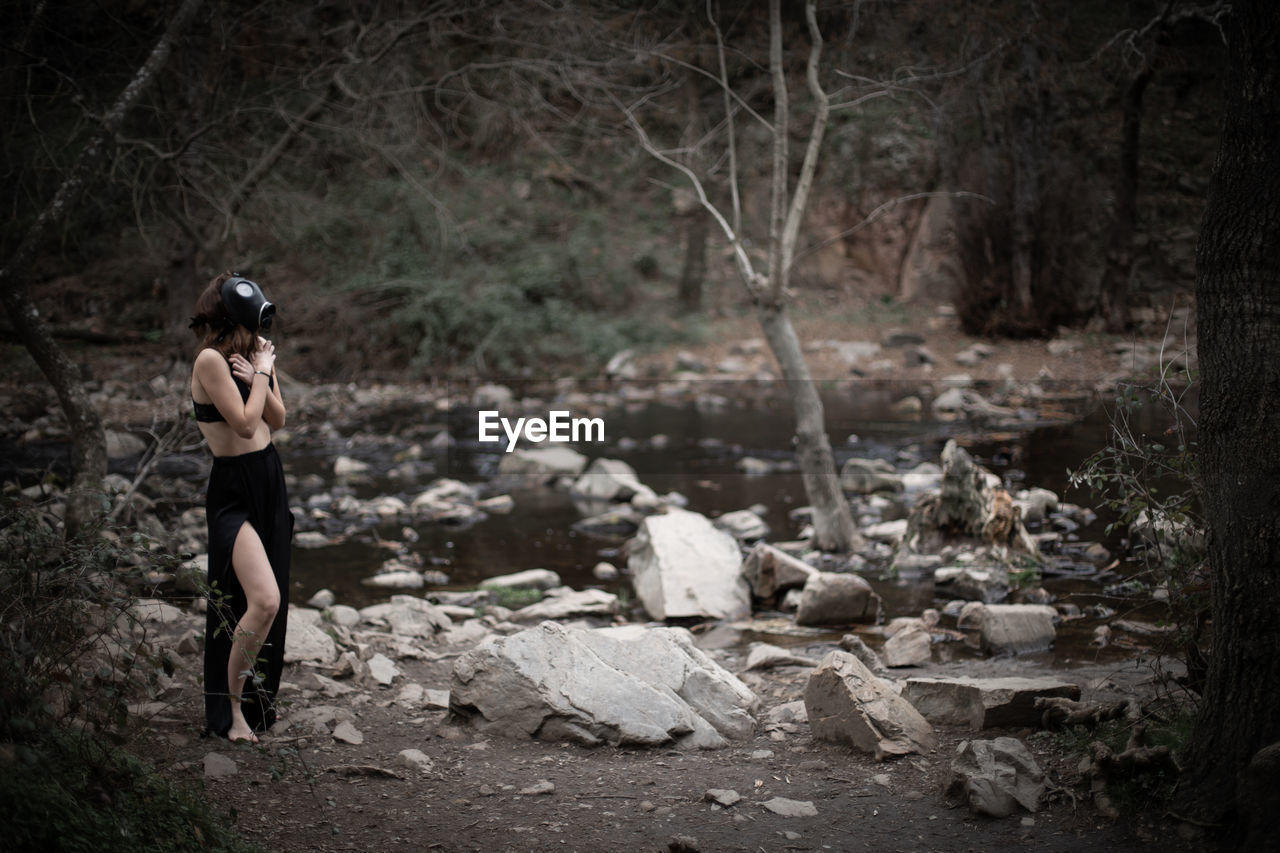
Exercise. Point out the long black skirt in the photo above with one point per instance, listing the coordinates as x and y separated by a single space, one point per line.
251 488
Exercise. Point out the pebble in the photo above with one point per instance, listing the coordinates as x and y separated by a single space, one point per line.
542 786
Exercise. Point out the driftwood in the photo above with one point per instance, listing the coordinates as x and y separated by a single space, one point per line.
1058 712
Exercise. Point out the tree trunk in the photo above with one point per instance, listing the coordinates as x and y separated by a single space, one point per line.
89 446
1028 154
1238 306
833 525
90 455
1113 295
697 228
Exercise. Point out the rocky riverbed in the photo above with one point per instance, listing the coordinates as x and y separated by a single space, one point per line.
709 682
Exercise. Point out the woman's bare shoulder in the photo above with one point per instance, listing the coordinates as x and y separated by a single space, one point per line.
209 357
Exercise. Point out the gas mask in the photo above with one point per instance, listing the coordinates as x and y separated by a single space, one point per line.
246 305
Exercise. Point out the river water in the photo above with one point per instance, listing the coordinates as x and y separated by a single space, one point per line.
692 447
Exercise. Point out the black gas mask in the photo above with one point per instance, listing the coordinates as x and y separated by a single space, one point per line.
246 305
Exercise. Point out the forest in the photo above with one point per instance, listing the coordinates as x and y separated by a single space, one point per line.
986 241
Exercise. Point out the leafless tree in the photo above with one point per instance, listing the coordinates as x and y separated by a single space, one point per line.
769 288
84 499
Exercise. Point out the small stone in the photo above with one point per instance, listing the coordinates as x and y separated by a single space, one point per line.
761 754
218 766
382 670
348 733
790 808
683 844
723 796
542 786
647 806
322 599
605 572
415 759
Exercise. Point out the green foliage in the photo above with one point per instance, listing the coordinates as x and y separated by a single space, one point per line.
71 792
513 598
501 285
72 655
1149 482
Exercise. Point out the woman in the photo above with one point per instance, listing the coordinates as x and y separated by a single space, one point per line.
237 404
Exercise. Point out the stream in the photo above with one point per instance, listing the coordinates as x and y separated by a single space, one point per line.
693 448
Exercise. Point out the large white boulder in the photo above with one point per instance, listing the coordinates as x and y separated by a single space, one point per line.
681 565
627 685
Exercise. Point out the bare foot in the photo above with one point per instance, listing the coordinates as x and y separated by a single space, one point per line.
241 733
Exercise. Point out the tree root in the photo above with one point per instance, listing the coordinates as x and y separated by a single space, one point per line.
1102 766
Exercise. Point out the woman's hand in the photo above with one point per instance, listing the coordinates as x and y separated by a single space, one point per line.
264 358
241 368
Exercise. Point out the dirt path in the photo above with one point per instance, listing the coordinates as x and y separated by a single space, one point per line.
304 789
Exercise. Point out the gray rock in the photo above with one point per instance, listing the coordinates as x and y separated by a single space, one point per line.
847 704
415 759
542 464
539 788
681 565
348 733
767 656
123 445
768 570
570 604
864 476
492 396
156 611
322 599
345 466
889 532
1036 504
306 641
970 615
541 579
219 766
829 598
854 644
605 572
408 616
743 525
628 685
403 579
1017 628
995 777
382 670
989 585
909 647
610 480
923 477
784 807
723 796
341 614
982 703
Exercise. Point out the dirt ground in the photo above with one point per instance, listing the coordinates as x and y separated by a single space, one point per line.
306 790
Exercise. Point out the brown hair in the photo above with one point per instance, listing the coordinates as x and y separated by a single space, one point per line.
217 330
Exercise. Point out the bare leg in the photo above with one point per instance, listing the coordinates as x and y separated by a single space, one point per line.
253 570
